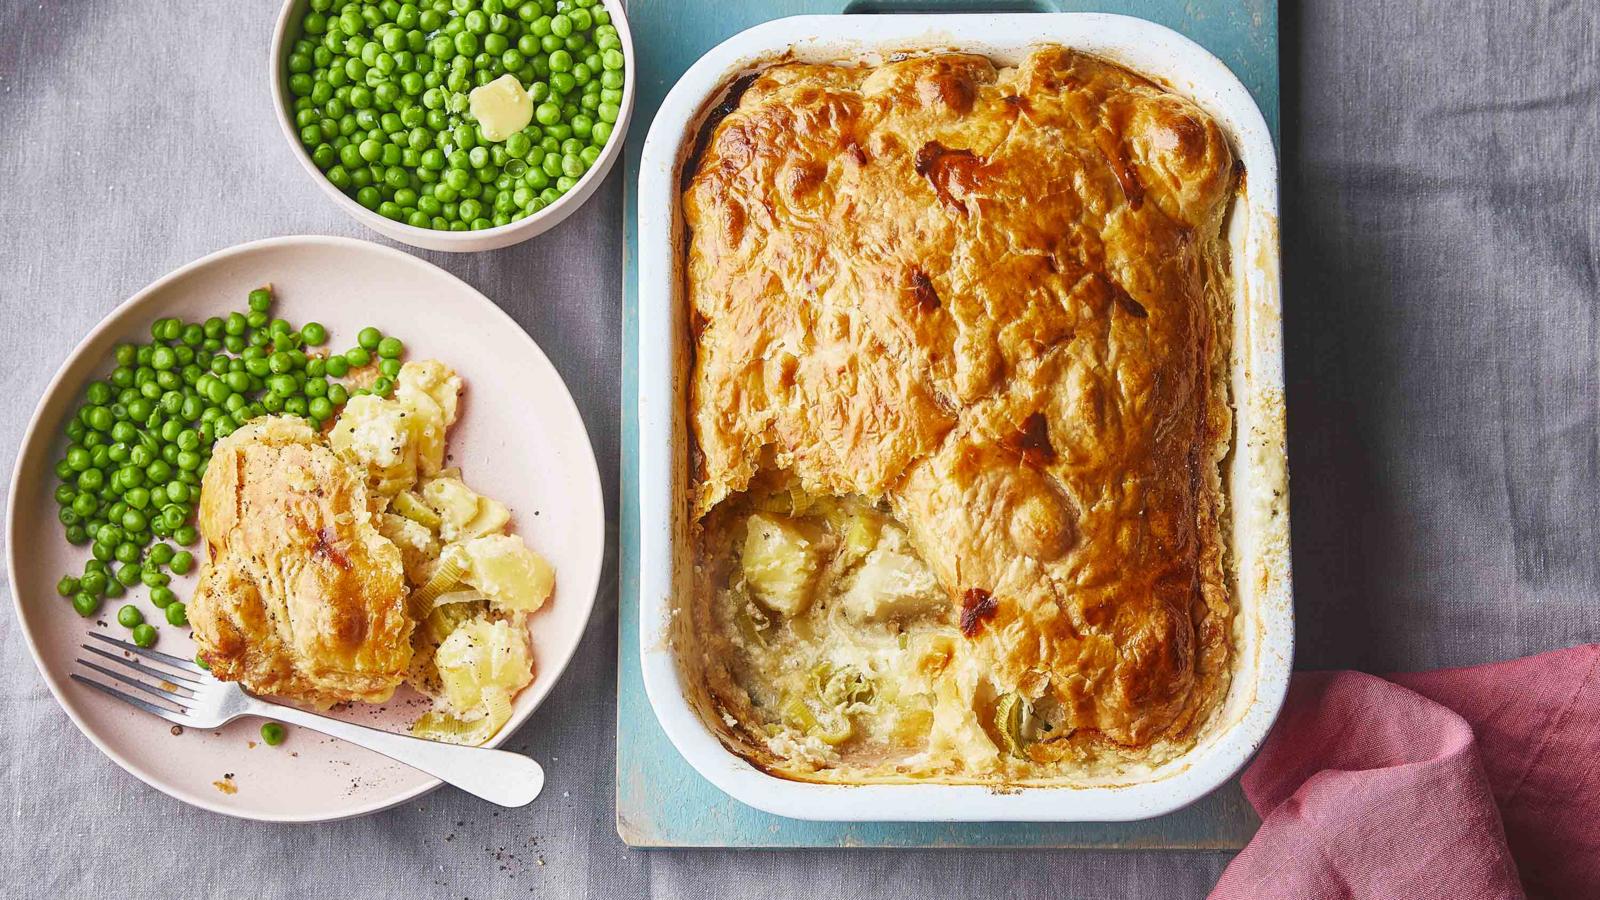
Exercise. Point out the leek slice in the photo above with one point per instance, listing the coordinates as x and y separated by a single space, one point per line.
471 731
833 729
1009 715
446 728
448 575
407 504
433 627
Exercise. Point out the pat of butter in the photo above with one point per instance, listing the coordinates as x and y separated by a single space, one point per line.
501 107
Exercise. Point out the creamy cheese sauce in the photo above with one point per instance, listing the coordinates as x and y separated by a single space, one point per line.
844 643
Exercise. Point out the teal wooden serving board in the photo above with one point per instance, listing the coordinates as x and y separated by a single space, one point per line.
661 800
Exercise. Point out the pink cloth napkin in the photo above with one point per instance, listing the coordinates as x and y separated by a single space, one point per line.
1458 784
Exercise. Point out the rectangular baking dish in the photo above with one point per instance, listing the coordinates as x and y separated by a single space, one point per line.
1255 470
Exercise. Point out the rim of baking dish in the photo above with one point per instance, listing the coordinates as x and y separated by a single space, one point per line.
1265 642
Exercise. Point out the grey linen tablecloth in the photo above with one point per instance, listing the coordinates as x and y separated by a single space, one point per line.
1442 294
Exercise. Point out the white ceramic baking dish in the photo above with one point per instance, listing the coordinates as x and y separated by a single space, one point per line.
1256 468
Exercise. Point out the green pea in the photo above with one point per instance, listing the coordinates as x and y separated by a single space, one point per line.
314 333
187 535
145 635
357 357
369 338
85 603
130 617
162 597
130 573
91 480
390 348
383 386
181 562
280 362
160 554
93 582
273 734
218 391
134 520
67 586
337 366
177 614
77 458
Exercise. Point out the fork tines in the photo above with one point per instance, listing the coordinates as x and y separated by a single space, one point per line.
171 689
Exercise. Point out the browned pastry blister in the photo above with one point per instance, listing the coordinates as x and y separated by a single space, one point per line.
995 302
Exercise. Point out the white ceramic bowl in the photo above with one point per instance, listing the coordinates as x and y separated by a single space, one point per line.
1259 526
283 38
520 439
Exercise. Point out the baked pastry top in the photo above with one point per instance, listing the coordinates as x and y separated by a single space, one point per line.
958 408
302 597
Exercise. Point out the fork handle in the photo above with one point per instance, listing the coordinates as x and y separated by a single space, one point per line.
498 776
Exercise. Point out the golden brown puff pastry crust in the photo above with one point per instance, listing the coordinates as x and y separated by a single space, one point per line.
301 597
996 300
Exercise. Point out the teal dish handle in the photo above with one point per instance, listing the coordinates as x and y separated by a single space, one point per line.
878 7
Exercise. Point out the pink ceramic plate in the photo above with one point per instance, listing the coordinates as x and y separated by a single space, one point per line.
520 439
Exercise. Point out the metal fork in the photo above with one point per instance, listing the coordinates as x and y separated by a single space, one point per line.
182 692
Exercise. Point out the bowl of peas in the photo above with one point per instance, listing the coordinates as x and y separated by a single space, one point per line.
455 125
